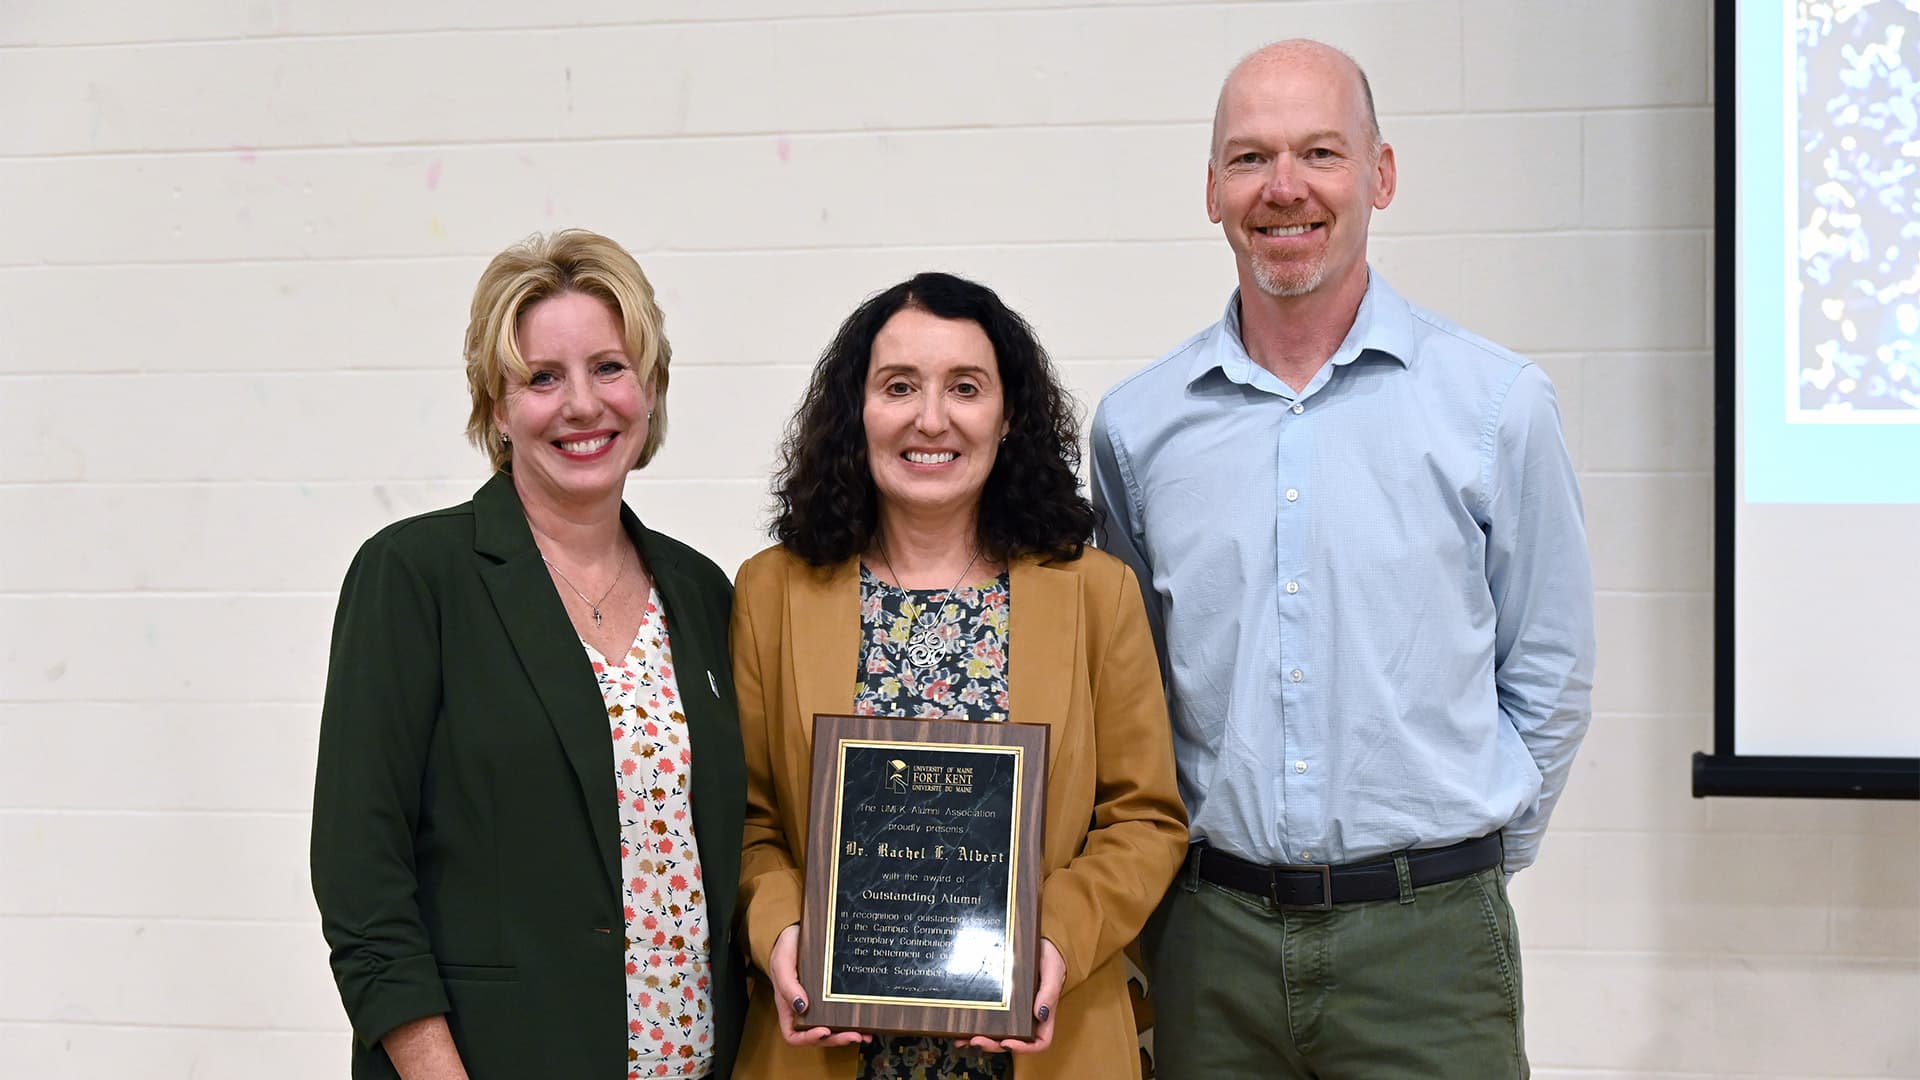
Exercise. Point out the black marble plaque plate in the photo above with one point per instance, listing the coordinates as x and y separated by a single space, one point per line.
923 874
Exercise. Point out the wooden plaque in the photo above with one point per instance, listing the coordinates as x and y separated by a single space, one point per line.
923 876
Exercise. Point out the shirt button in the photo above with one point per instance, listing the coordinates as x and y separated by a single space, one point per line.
1293 494
1298 408
1299 766
1292 587
1296 674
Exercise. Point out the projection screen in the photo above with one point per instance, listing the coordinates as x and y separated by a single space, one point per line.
1818 400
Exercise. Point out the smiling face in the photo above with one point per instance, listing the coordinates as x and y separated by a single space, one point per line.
579 419
934 415
1294 177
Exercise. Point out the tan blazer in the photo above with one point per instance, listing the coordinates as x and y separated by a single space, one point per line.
1080 657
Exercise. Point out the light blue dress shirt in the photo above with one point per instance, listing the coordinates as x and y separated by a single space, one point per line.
1372 599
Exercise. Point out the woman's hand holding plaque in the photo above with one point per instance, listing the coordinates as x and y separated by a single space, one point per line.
1046 1004
791 1000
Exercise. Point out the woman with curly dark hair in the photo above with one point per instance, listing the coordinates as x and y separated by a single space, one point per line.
929 483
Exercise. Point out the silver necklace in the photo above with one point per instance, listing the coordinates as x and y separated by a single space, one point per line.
594 604
926 648
902 584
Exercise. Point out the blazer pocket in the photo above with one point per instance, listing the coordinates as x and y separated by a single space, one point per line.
488 1013
480 972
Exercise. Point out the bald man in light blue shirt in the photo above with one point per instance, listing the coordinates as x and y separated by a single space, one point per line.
1361 545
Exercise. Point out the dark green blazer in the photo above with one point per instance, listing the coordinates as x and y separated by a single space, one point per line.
466 847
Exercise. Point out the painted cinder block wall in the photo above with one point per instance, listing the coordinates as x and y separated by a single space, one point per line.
236 243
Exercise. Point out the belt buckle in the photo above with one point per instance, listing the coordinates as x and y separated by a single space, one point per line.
1326 888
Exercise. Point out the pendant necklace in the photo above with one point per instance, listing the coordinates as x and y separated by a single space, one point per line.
925 647
594 604
898 583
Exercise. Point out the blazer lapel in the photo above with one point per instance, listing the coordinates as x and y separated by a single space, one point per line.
550 653
1043 631
697 674
823 623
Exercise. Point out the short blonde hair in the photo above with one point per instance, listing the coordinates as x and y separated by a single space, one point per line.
544 265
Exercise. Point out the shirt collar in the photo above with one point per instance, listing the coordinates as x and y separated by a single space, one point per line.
1383 325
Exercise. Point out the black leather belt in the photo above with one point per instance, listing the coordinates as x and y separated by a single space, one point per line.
1321 887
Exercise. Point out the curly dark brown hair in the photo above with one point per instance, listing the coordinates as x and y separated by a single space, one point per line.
826 508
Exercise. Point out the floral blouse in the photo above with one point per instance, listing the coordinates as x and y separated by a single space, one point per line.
669 988
932 654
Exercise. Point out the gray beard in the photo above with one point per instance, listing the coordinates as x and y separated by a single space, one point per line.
1272 286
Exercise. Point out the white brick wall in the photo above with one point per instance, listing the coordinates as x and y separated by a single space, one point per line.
238 241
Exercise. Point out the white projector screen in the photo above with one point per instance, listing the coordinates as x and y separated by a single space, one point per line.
1818 341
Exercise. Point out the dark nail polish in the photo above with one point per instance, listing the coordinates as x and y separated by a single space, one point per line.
1044 1013
799 1005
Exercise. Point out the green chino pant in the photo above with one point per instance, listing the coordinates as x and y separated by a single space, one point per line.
1426 986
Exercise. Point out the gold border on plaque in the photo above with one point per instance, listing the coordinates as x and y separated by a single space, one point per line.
1018 753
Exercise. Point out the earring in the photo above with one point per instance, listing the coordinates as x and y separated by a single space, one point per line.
506 439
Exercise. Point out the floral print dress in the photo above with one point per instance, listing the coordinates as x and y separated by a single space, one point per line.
669 987
932 654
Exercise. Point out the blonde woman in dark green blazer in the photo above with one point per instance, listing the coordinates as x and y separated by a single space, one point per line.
527 813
